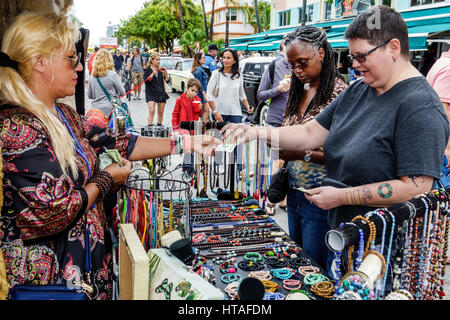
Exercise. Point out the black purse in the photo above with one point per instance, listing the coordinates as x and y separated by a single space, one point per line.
279 185
58 292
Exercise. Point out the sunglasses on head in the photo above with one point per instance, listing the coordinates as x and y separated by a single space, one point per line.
361 58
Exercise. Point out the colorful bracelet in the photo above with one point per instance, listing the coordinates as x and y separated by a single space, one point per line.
324 289
313 278
253 256
231 277
199 237
270 286
104 181
282 274
273 296
214 239
290 284
308 269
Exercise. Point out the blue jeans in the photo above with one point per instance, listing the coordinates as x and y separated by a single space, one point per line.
308 226
232 119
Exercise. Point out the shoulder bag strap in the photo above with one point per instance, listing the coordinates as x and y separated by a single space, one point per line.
103 88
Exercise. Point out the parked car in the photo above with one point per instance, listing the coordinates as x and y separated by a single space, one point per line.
169 62
252 70
180 75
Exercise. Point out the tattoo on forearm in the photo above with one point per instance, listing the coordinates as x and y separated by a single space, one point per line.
413 179
366 195
358 197
385 190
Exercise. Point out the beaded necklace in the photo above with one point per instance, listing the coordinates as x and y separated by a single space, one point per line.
78 147
388 252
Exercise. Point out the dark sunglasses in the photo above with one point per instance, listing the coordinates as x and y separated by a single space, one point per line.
361 58
75 61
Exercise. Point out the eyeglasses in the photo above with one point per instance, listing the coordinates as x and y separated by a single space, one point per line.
75 61
361 58
302 65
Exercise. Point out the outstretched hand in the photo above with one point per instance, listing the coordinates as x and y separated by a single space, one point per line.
204 144
239 132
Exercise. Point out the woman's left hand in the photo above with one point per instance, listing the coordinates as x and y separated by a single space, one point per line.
250 110
203 144
325 198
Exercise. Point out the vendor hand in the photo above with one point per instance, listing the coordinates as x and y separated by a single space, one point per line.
119 173
250 110
203 144
325 198
239 132
217 117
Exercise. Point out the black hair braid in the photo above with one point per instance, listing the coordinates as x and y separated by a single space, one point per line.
318 39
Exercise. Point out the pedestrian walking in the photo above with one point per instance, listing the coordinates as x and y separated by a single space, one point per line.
118 61
136 65
225 90
155 88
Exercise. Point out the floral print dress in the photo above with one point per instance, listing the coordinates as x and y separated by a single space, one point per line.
44 211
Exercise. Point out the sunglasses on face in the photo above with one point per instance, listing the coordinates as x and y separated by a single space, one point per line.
361 58
75 61
302 65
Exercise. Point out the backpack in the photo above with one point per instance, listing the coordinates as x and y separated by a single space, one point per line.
272 71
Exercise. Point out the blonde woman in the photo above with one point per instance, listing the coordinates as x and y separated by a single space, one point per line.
103 75
155 90
52 182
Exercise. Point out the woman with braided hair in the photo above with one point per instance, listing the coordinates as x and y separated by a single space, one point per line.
383 137
314 84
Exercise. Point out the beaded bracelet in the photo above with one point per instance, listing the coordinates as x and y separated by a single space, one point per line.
214 239
249 265
270 286
253 256
312 278
231 277
302 294
273 296
104 181
276 263
282 273
324 289
199 237
290 284
231 289
308 269
260 275
228 268
299 262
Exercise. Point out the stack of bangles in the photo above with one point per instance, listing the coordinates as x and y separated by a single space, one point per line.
180 143
199 237
290 284
273 296
283 273
249 265
308 269
104 182
324 289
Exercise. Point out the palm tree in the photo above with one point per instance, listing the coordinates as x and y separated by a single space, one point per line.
257 16
204 19
180 10
212 20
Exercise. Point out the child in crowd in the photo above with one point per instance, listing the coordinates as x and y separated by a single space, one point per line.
188 107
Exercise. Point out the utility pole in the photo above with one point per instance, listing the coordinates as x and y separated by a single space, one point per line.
227 24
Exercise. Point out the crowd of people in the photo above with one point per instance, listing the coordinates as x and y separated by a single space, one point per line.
377 141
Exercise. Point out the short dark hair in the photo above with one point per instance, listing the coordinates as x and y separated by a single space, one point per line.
391 25
194 83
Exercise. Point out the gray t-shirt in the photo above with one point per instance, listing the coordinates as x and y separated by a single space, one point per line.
136 64
377 138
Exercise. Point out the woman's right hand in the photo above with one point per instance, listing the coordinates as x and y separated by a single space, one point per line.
239 132
119 173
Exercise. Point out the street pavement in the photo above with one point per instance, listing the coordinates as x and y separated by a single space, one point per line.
139 113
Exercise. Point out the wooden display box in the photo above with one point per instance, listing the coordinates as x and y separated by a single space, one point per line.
170 280
133 264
